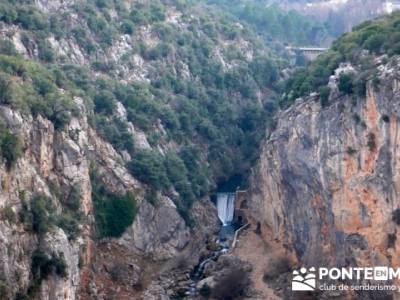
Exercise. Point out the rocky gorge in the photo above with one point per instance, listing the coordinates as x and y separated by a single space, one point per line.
330 177
96 192
120 121
59 161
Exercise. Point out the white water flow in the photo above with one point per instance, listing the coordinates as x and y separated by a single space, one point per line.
226 207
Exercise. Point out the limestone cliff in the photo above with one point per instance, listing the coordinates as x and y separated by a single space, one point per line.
53 163
112 98
327 183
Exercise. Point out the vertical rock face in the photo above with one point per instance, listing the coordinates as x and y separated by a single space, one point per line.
163 235
53 159
327 182
53 163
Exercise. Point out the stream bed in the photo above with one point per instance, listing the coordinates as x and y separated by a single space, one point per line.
226 206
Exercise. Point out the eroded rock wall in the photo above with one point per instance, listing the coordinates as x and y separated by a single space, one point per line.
53 162
327 182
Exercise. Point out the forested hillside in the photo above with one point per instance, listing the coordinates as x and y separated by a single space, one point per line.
359 47
196 86
273 23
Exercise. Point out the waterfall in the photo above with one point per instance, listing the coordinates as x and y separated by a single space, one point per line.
226 207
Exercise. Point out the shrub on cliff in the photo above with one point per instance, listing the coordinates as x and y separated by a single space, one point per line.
391 240
69 222
113 213
105 103
346 83
42 217
148 166
276 267
198 175
4 290
7 47
45 52
10 146
324 95
162 173
374 42
6 89
43 265
265 70
116 132
396 216
178 175
36 89
232 285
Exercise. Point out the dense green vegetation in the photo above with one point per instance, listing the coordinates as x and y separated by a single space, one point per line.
216 107
179 171
10 146
380 36
43 265
148 166
113 213
31 87
207 100
271 22
40 216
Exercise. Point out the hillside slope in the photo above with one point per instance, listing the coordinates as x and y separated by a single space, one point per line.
326 185
118 118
